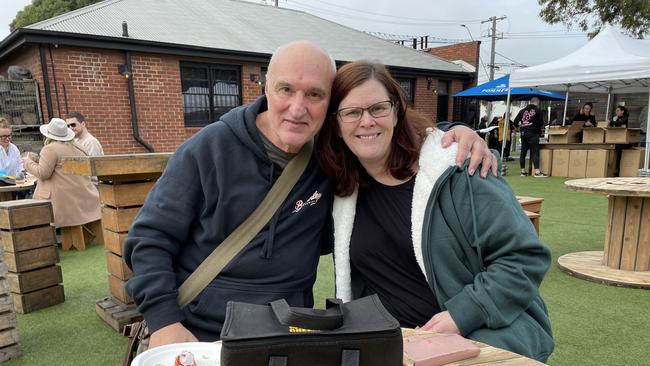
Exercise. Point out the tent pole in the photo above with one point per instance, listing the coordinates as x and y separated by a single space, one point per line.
609 98
506 124
645 172
566 103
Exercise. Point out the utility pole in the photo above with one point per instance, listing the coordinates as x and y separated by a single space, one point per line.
276 3
493 35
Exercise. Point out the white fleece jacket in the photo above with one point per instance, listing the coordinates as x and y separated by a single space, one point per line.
433 161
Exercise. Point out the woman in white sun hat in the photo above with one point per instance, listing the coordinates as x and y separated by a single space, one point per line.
75 200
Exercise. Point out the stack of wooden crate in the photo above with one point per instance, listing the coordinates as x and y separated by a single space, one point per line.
30 254
125 181
9 339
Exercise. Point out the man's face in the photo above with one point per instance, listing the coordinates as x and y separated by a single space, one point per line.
5 137
298 91
76 126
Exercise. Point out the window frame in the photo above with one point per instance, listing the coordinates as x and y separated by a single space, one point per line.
210 70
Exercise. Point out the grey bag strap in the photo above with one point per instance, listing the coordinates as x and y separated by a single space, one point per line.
246 231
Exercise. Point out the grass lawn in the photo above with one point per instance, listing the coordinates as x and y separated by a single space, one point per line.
594 324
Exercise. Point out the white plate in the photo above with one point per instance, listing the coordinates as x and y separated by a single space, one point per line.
205 354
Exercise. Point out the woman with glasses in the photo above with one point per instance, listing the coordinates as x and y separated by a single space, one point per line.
443 250
9 155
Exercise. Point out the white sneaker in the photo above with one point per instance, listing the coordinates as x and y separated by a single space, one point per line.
539 175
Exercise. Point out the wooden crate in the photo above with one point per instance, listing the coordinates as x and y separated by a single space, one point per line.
115 313
39 299
125 194
31 259
118 219
20 214
532 204
116 286
37 279
114 242
117 267
9 337
19 240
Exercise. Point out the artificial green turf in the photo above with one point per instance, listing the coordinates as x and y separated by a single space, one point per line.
594 324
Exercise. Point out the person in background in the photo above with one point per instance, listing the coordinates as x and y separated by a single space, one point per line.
493 137
506 150
77 123
233 163
10 163
481 125
443 250
586 115
75 201
531 126
620 117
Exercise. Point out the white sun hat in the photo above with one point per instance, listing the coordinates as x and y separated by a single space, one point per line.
58 130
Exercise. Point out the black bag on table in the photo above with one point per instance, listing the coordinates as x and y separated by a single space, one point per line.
357 333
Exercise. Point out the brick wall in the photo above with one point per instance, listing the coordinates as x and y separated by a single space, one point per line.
468 52
426 101
87 81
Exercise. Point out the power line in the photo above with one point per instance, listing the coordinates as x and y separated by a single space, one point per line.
365 11
509 59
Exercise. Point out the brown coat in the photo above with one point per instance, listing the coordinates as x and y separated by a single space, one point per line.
75 200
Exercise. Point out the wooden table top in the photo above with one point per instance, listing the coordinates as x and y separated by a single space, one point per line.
489 355
27 184
116 165
614 186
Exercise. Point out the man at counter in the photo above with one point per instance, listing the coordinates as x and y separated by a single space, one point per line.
232 164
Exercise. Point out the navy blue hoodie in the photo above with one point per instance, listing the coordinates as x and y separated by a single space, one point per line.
211 184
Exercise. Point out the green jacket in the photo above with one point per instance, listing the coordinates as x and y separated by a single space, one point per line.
478 250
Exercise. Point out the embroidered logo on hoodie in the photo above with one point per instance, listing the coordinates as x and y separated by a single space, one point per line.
310 202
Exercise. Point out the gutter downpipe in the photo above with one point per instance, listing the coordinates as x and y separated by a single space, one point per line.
566 103
46 82
134 114
506 124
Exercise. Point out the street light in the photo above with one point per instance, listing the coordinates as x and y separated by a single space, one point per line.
470 33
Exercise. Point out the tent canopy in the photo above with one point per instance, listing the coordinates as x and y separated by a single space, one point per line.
498 90
610 62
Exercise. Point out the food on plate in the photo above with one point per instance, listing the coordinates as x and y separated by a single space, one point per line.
186 358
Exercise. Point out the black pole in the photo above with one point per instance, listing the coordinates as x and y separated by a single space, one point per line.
134 113
46 82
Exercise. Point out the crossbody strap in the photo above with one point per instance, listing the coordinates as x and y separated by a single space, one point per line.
246 231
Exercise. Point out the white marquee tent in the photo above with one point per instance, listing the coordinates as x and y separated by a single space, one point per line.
610 63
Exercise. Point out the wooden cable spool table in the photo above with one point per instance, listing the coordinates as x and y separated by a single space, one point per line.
625 260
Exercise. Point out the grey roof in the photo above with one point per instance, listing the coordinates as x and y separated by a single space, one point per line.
235 25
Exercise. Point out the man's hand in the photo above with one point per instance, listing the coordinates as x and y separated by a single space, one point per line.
469 141
442 323
173 333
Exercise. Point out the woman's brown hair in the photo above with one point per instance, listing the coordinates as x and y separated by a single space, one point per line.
336 159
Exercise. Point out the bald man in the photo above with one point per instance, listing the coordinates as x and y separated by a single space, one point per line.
216 179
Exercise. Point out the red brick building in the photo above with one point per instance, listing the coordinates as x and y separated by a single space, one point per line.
152 81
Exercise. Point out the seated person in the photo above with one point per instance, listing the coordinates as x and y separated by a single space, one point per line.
401 215
585 115
9 155
620 117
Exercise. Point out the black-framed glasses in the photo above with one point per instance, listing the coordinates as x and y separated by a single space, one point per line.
72 125
5 137
354 114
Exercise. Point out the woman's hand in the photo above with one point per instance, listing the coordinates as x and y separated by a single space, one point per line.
470 142
442 323
173 333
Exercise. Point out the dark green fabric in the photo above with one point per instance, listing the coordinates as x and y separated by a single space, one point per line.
485 262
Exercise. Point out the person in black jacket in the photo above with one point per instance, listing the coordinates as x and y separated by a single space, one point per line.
620 117
531 125
585 115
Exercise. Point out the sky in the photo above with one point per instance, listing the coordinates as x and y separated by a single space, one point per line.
527 40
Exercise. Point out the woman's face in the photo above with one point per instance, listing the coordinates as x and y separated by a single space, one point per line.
586 109
369 138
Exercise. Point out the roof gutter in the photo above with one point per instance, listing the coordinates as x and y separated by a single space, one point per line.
134 113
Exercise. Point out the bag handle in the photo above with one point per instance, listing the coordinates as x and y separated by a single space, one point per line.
247 230
316 319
